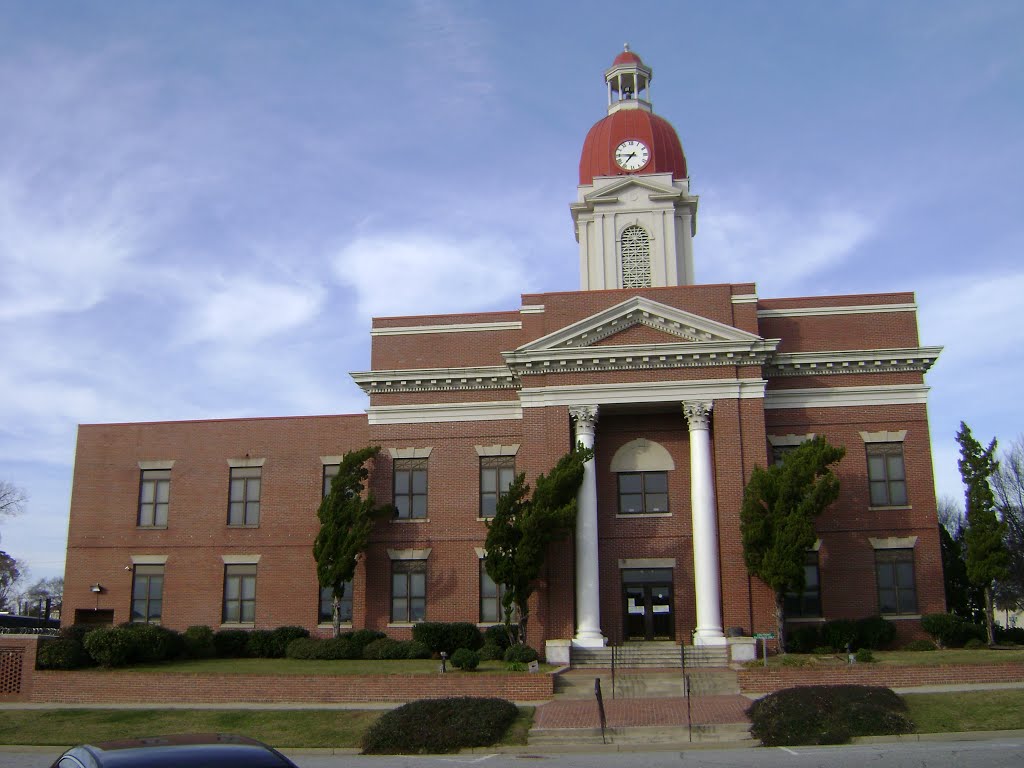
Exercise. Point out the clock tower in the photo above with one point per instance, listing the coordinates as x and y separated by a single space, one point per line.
634 216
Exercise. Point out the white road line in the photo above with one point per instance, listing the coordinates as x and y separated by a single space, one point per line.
787 749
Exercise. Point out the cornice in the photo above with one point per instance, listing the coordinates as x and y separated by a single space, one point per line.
434 413
646 392
436 379
906 360
858 309
413 330
840 397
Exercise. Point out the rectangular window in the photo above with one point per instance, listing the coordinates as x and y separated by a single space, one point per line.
496 475
894 570
154 496
408 590
779 452
410 488
643 492
806 604
886 475
330 472
327 605
491 611
239 594
244 498
147 593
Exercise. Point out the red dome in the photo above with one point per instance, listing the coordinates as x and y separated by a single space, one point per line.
627 57
597 158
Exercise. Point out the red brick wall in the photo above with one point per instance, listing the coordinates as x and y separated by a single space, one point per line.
116 687
17 664
766 680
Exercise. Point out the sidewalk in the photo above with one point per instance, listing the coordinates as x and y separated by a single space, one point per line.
632 713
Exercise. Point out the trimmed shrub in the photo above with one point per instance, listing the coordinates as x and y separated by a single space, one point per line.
827 714
273 643
199 642
949 630
919 645
875 632
439 726
61 653
1010 635
153 643
839 633
496 635
803 639
258 644
385 648
448 637
331 649
361 638
975 644
491 652
515 666
824 650
231 643
416 650
521 653
465 659
111 646
864 656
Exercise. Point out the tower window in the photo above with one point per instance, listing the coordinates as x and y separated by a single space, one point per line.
635 249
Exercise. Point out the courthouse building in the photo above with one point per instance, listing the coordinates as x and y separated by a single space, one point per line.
681 388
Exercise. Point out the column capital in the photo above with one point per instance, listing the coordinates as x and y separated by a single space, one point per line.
698 413
584 416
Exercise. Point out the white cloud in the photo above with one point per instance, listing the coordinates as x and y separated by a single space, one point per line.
778 247
246 309
422 274
973 315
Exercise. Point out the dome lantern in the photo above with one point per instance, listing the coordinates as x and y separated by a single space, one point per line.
629 82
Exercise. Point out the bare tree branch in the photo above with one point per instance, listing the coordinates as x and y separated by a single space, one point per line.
12 499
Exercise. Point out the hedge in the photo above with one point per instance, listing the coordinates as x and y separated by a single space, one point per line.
438 726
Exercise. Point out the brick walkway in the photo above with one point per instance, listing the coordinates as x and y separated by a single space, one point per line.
625 713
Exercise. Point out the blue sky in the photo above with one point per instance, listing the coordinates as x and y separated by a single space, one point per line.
203 203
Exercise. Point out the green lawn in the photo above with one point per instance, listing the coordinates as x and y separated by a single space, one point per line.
320 668
281 728
967 711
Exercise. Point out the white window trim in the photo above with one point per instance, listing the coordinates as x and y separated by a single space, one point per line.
409 554
497 450
246 462
884 437
157 464
647 562
410 453
783 441
642 455
893 542
328 460
241 559
149 559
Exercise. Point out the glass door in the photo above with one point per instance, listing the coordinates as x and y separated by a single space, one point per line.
647 595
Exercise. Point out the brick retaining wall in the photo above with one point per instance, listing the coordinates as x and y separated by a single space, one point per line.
113 687
767 680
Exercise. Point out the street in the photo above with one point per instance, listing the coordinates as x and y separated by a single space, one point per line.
993 752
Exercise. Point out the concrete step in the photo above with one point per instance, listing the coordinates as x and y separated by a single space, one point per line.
712 733
643 684
653 655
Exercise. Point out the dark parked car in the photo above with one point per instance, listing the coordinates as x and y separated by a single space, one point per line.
194 750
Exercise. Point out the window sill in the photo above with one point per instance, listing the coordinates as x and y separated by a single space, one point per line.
633 515
889 509
806 620
410 520
400 624
484 519
901 616
151 527
238 625
255 525
330 625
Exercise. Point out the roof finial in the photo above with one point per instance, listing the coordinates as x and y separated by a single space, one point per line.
625 47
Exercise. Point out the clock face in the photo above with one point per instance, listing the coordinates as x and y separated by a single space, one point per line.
632 155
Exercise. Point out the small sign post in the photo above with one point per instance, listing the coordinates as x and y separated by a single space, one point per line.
764 637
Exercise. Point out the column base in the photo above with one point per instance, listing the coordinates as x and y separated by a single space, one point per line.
709 637
589 639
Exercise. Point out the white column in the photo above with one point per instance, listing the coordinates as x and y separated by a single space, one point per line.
588 592
706 573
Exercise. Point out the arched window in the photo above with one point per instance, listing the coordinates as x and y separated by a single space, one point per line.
635 250
642 468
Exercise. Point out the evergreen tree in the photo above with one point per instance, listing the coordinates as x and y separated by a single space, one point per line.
346 520
522 529
985 536
780 504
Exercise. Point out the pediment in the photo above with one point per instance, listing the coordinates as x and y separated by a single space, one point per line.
676 324
611 193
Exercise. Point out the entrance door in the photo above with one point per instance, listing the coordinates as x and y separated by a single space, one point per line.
647 595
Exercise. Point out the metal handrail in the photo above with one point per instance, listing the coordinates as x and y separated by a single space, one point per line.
600 707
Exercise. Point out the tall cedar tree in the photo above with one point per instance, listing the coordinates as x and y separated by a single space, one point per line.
985 538
780 504
346 520
524 526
